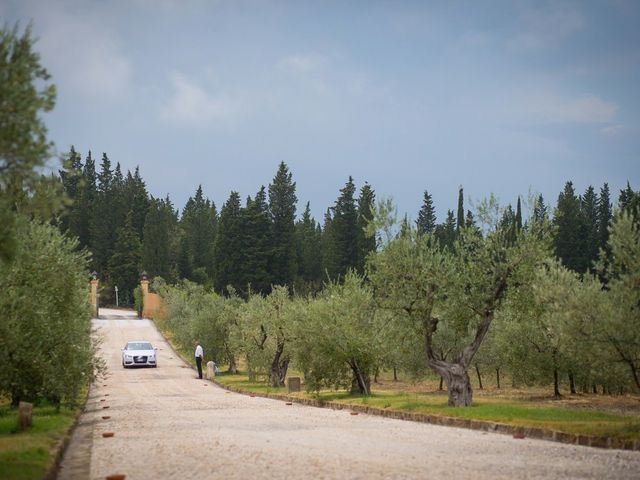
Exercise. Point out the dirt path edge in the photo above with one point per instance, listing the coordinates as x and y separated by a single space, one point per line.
59 449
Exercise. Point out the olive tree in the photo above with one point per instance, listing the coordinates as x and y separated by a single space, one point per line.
342 338
543 327
192 312
561 323
182 303
265 334
431 289
46 349
231 347
619 328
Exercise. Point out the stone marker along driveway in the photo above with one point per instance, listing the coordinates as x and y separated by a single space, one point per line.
168 424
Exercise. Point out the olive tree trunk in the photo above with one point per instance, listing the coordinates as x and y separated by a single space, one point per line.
556 385
233 366
361 381
279 366
572 383
479 377
455 373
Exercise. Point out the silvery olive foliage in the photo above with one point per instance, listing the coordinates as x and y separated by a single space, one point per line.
194 313
265 324
342 337
46 348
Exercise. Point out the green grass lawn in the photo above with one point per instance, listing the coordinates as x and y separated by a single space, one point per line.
513 411
26 455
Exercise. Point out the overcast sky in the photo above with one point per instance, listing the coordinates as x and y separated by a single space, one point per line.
497 96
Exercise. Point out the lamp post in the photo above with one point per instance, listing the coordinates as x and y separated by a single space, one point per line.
116 288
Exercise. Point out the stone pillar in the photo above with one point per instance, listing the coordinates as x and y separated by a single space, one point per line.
293 384
144 286
211 370
25 411
93 295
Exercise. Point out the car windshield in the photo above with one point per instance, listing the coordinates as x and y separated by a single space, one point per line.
139 346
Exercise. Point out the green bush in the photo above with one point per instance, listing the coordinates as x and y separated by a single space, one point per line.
138 300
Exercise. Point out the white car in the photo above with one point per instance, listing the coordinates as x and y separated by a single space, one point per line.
139 353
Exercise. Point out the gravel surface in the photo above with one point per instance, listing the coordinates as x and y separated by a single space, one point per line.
169 424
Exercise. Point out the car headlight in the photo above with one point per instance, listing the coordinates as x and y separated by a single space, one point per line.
127 357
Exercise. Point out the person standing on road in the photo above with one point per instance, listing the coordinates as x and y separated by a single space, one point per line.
199 357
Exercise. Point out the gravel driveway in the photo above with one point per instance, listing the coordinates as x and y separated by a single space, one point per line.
169 424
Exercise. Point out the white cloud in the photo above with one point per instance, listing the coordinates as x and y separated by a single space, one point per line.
547 25
307 70
612 130
302 64
192 105
84 56
550 108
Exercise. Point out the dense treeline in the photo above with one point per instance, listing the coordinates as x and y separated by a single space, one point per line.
263 241
250 245
46 349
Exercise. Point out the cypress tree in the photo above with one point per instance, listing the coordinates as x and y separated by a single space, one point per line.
518 216
119 202
86 201
71 178
508 224
309 253
227 255
103 231
605 214
426 222
540 214
159 234
330 259
124 264
445 233
589 207
460 217
213 215
629 201
137 198
365 243
198 230
282 207
185 265
254 246
470 223
569 241
345 229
